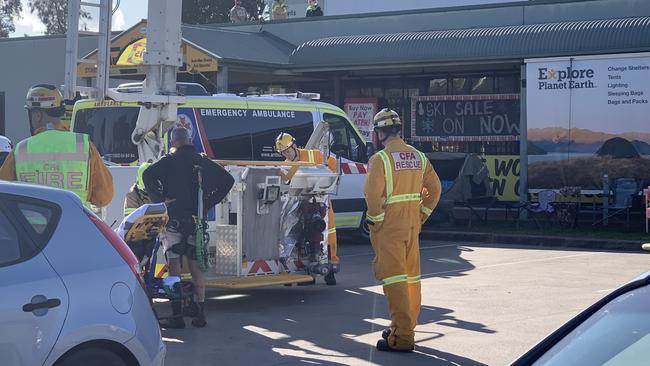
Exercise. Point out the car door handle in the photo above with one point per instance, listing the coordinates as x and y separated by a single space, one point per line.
47 304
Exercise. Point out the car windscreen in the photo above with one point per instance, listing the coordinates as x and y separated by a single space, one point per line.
249 134
617 334
110 130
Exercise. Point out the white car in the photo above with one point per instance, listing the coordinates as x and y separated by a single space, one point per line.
70 291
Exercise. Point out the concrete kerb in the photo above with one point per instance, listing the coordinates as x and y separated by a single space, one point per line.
534 240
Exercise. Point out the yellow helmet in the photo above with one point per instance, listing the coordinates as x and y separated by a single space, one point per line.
46 97
387 117
138 181
283 142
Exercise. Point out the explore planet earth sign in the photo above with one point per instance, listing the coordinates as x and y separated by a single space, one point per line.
588 116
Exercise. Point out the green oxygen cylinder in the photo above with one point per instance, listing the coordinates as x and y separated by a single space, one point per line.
199 235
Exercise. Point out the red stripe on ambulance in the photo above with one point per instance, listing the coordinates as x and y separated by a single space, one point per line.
353 168
257 265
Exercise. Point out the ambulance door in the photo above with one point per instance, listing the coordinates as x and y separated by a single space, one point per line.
349 203
190 119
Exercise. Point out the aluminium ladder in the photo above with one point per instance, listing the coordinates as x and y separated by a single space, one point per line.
75 8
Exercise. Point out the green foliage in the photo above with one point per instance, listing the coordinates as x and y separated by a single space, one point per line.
54 14
9 9
217 11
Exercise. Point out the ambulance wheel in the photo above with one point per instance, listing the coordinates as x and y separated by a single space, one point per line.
364 230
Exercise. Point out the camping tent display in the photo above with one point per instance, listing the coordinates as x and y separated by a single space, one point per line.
618 148
463 176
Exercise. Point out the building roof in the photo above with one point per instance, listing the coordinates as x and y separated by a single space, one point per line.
240 46
495 14
493 43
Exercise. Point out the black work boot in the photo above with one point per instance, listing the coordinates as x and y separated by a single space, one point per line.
382 345
385 334
199 321
175 321
330 280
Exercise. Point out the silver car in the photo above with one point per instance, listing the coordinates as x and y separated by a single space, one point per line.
69 286
615 331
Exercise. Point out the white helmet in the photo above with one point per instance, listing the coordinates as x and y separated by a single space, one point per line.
5 145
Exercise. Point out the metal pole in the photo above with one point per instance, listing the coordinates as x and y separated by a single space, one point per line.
523 144
605 200
72 38
646 197
103 51
222 79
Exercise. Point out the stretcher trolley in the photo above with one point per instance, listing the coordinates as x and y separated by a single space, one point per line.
141 231
269 231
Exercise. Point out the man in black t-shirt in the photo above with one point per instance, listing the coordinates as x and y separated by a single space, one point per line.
173 180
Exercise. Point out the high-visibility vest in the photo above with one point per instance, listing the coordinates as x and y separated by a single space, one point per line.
388 171
314 156
57 159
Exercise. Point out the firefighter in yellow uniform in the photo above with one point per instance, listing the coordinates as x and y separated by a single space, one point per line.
56 157
285 144
401 191
137 196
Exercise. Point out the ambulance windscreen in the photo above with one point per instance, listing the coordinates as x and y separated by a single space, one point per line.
110 130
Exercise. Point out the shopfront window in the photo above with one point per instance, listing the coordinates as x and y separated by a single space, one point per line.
437 86
482 85
394 96
507 84
372 92
460 85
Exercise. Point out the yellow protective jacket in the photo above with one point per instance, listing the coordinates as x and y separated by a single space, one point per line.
100 180
134 199
407 184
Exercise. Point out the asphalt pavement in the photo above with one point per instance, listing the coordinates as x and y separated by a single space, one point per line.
482 304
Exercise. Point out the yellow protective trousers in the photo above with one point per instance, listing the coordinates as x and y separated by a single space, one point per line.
331 235
397 265
401 191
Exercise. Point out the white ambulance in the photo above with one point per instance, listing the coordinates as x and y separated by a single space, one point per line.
232 127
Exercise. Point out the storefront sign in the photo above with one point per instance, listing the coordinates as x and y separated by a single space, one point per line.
133 54
603 94
465 117
504 176
591 108
128 50
362 111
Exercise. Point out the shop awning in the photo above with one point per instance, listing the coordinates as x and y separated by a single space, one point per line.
494 43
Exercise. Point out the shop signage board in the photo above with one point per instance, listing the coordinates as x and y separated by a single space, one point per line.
493 117
127 55
581 112
361 112
504 171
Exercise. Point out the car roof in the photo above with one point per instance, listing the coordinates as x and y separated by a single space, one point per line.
251 98
55 195
643 276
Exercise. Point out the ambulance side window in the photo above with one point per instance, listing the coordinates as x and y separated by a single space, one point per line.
343 134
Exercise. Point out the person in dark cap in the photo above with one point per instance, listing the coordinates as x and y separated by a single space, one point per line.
313 9
173 180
